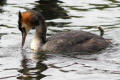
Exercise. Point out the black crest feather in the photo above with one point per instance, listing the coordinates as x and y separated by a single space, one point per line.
19 21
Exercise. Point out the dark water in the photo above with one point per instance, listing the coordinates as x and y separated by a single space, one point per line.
62 15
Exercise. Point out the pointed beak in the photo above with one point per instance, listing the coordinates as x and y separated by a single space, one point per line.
24 34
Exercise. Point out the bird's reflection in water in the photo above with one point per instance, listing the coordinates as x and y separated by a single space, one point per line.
31 69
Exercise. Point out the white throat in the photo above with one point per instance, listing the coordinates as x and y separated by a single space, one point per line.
35 44
38 38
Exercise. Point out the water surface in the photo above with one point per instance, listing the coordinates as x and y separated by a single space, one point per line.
62 15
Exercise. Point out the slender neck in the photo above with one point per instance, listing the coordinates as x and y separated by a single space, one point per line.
40 33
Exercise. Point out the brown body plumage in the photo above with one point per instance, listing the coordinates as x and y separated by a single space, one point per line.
73 41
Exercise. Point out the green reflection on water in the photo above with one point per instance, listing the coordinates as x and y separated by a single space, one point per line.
29 72
51 9
7 26
1 34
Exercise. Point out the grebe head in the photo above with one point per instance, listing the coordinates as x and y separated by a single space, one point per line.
31 19
25 23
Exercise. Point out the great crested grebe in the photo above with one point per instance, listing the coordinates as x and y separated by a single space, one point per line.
73 41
